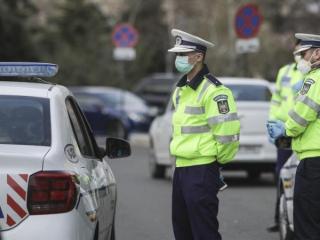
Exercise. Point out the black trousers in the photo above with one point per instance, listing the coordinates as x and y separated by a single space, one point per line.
195 203
282 156
307 200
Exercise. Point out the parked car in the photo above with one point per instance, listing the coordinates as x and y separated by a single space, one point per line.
286 190
156 89
104 121
256 154
56 182
128 108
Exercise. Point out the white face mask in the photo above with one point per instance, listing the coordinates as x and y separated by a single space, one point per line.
182 64
304 66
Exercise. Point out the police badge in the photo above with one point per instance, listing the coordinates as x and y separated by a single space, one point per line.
222 102
178 40
306 86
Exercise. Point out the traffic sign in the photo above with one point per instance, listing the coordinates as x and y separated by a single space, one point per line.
125 35
248 21
124 54
251 45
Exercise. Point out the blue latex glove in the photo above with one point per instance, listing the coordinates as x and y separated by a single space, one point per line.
271 140
276 129
296 87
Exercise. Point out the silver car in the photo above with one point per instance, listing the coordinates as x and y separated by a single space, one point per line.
286 190
55 182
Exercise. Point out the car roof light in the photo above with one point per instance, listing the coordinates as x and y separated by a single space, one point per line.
27 69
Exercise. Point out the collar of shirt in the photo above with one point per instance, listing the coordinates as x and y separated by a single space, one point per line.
195 82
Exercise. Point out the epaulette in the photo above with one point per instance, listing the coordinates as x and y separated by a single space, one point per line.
213 79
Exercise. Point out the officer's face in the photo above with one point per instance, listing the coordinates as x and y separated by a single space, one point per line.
311 55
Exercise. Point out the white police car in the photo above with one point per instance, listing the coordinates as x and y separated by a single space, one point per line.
55 182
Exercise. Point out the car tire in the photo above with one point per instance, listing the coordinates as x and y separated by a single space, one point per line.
157 171
284 228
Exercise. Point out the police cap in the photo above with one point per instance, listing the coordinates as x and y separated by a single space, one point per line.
186 42
307 41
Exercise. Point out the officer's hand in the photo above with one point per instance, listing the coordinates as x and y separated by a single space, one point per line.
271 140
276 129
296 87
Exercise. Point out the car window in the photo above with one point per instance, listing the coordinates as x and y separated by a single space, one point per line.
89 131
246 92
79 129
25 121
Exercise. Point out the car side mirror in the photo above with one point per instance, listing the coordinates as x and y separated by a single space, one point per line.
117 148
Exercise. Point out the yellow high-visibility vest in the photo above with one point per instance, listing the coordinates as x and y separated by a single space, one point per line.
205 123
283 98
303 123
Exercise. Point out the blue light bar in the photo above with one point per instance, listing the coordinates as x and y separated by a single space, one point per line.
27 69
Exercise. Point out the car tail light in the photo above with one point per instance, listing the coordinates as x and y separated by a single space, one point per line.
51 192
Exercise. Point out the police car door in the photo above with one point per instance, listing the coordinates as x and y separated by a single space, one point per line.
95 197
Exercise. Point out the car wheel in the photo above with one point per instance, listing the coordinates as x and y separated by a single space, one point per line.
285 231
116 129
156 170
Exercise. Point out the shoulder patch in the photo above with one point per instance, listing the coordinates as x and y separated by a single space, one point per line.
222 102
220 97
306 86
213 79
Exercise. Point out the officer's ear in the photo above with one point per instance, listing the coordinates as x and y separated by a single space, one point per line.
317 54
200 57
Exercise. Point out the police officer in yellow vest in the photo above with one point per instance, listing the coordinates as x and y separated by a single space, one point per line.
303 125
288 82
205 135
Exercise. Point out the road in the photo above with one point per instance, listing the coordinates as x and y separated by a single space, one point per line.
144 204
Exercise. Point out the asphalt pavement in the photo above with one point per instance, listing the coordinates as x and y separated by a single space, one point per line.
144 204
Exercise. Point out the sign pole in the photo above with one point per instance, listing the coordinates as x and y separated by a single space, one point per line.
125 38
247 25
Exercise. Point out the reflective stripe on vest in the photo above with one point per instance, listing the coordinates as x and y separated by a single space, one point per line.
274 102
298 119
204 88
195 129
309 102
194 110
222 118
285 80
227 138
177 97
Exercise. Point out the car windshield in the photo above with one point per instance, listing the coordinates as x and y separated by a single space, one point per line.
246 92
134 103
89 103
122 100
25 121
